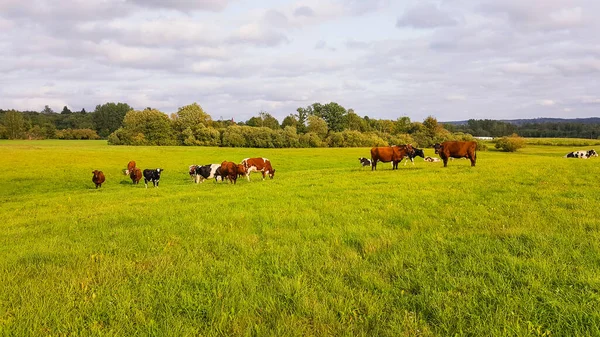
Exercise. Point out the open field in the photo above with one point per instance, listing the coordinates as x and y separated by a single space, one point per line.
510 247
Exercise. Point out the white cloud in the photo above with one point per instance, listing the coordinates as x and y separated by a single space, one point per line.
547 102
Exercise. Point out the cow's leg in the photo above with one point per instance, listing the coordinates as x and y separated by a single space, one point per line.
263 173
445 161
473 157
373 164
157 183
146 182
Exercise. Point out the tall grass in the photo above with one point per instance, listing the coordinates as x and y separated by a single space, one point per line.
563 141
509 247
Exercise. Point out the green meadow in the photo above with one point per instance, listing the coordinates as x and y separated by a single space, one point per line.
510 247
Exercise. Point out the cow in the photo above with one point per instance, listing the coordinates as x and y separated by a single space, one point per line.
364 161
241 170
98 178
205 172
262 165
431 159
581 154
135 174
393 154
192 172
152 175
130 166
229 170
218 174
416 153
456 149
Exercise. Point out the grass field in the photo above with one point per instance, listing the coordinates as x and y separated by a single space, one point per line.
510 247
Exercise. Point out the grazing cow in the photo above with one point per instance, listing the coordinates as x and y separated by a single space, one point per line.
98 178
387 154
364 161
229 170
130 166
416 153
206 172
431 159
135 174
152 175
456 149
241 170
262 165
192 172
218 174
582 154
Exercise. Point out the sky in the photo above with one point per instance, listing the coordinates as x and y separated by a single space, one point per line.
451 59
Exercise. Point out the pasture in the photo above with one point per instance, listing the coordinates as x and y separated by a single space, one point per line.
510 247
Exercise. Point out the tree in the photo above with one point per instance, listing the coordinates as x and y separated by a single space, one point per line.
335 116
14 123
82 111
317 125
302 119
192 116
290 120
264 119
354 122
510 144
146 127
402 125
47 110
108 117
66 111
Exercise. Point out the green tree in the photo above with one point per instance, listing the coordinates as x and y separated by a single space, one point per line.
108 117
47 110
147 127
511 143
317 125
14 123
355 122
290 120
66 111
192 116
335 116
402 125
264 119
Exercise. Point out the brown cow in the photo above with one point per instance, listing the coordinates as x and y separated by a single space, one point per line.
98 178
130 166
455 149
262 165
241 170
135 174
229 170
387 154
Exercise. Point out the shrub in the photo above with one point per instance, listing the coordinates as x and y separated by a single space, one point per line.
511 143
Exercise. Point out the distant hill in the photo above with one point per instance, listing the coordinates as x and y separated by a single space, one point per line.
590 120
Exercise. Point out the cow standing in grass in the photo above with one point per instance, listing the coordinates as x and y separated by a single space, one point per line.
98 178
262 165
456 149
136 175
229 170
130 166
152 175
387 154
416 153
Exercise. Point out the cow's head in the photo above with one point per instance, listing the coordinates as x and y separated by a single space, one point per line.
271 174
592 153
438 148
96 173
419 153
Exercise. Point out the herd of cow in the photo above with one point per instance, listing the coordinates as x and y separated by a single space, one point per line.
395 154
198 173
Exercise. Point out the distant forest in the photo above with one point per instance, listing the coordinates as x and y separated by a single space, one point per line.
317 125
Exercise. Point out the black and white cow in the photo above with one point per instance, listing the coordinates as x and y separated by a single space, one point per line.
416 153
206 172
152 175
192 172
431 159
364 161
582 154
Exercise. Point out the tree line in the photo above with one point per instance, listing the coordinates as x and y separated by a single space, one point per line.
316 125
494 128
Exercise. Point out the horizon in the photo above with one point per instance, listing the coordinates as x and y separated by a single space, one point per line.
451 59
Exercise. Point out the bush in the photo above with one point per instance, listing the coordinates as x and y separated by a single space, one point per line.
510 144
311 139
77 134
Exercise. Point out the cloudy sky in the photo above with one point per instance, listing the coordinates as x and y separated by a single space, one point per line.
453 59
